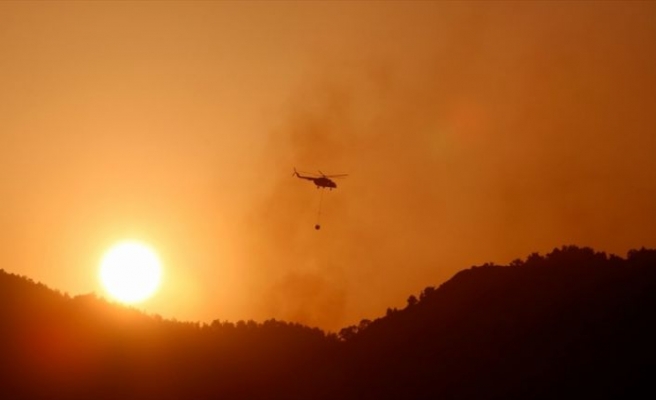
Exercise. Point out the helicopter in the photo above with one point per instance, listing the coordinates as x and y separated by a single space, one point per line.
322 181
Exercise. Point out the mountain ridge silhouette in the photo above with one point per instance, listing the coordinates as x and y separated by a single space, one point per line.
570 324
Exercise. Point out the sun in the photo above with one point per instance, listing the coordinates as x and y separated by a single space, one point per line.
130 272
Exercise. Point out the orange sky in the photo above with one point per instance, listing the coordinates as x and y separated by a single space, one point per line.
472 132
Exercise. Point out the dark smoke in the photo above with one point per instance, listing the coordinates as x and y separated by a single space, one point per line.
495 132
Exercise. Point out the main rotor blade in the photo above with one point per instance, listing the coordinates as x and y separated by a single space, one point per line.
336 176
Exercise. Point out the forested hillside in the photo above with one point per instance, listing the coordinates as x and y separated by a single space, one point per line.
574 323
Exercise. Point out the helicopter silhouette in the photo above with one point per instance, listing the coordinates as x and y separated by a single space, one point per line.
322 181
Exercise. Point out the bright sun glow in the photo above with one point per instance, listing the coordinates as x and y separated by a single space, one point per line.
130 272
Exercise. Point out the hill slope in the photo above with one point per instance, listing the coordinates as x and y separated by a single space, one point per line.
572 324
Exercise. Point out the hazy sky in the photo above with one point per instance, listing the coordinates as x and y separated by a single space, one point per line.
471 132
